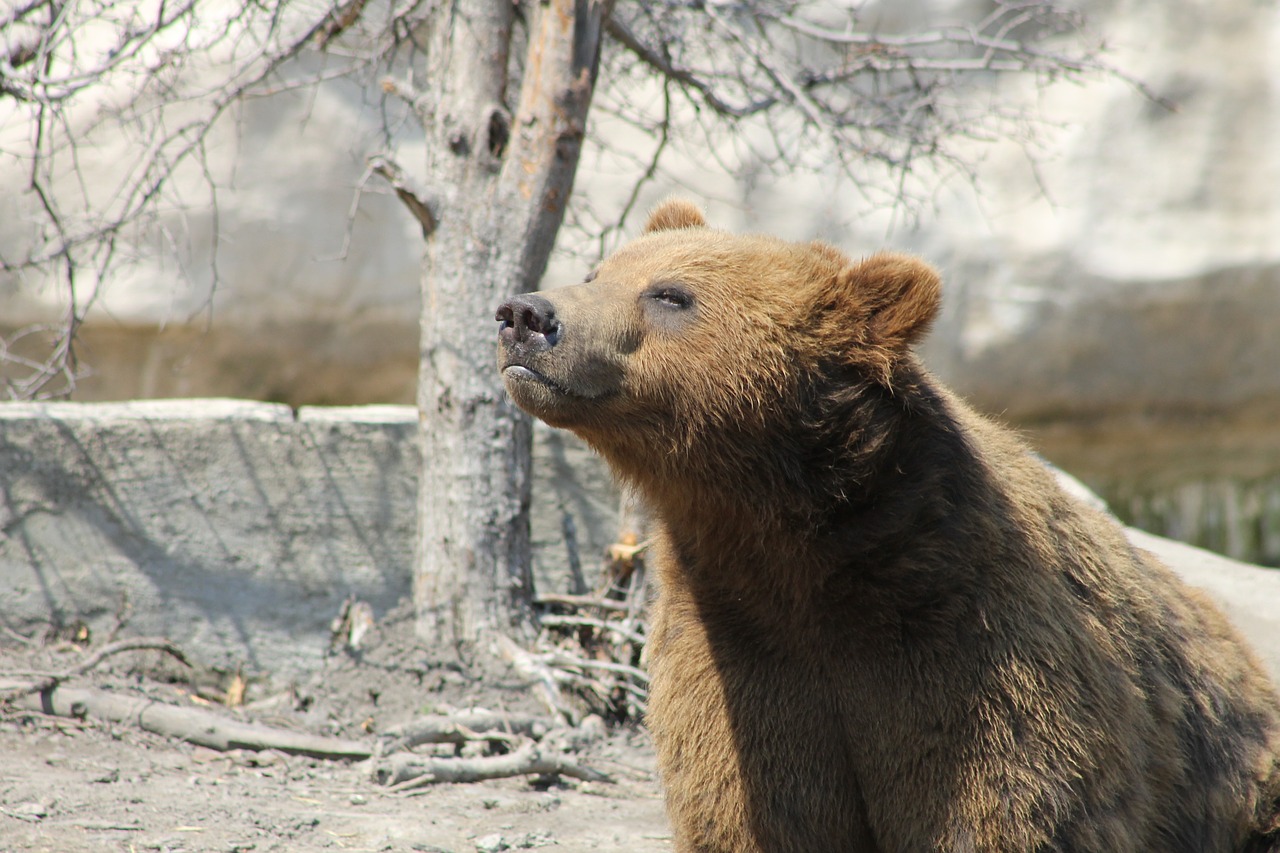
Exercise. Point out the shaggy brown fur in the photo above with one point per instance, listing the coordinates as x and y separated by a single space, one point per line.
881 624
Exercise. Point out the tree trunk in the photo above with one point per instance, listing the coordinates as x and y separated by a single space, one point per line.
508 88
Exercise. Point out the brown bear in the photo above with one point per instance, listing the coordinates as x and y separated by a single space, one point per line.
881 625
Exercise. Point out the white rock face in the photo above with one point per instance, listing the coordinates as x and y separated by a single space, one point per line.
1128 317
1146 280
309 305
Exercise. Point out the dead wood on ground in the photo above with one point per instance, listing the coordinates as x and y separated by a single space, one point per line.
463 726
194 725
406 771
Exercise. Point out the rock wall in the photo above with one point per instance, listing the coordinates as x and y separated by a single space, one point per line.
235 528
229 526
1126 316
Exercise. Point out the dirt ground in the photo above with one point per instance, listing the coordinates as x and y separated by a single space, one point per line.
69 785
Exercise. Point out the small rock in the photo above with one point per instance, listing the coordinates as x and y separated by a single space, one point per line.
492 844
534 839
358 799
35 812
593 727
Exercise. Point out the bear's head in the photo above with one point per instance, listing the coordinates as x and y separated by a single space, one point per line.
689 333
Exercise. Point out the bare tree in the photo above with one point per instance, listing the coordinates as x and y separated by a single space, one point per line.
502 92
505 118
58 63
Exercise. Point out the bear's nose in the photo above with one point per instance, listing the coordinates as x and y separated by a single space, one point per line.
528 319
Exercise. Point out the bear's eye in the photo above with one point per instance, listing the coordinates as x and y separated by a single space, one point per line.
671 296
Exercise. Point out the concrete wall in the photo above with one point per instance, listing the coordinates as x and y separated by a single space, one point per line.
230 526
238 528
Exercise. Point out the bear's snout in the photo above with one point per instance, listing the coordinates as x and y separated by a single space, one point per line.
528 320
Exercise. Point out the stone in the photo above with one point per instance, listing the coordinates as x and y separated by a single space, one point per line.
234 527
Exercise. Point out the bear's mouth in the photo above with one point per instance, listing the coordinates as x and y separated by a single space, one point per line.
524 373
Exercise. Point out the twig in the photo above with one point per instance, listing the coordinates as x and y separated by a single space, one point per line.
339 20
405 90
663 65
568 660
414 197
121 618
51 681
30 642
616 627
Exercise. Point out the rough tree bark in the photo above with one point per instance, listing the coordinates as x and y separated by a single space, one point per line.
507 91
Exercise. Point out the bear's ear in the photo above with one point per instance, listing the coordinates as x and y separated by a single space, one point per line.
675 213
899 296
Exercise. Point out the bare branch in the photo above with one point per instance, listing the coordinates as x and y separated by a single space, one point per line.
405 772
51 681
135 60
582 601
663 132
340 19
461 727
618 628
415 197
405 90
562 659
685 77
865 96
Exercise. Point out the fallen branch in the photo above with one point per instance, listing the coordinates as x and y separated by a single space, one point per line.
582 601
563 659
52 680
618 628
194 725
461 727
404 772
544 679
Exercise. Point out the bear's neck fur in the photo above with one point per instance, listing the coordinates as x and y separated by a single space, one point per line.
868 476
